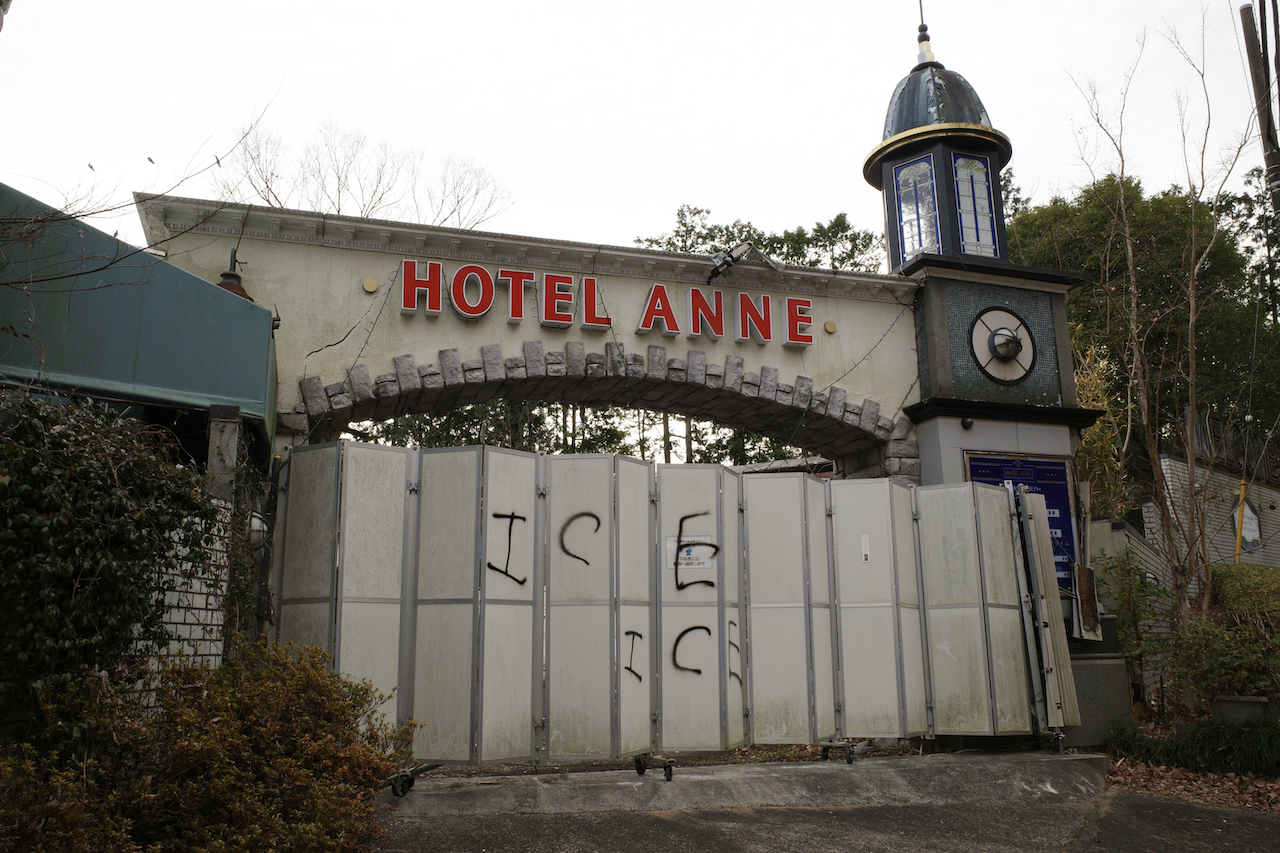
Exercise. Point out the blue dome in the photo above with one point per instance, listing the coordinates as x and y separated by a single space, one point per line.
931 94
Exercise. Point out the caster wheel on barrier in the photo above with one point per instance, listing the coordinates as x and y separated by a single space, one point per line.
640 766
848 754
667 770
401 785
826 753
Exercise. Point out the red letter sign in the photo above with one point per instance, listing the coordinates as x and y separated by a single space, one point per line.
706 318
658 310
556 291
410 284
590 306
753 322
516 279
467 309
799 315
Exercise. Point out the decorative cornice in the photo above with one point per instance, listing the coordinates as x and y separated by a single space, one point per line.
936 407
167 217
991 271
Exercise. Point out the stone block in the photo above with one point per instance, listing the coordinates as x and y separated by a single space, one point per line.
803 392
657 367
595 368
836 397
335 388
473 371
751 385
696 373
291 423
515 368
852 414
535 363
314 398
676 370
818 403
902 449
431 378
361 391
870 416
901 428
451 368
408 378
768 382
715 376
733 373
884 428
783 394
635 365
615 359
555 364
575 359
491 361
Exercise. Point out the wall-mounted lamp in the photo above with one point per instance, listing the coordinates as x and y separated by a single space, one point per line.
966 423
722 261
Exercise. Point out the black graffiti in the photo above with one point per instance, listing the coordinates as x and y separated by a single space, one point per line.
633 635
513 518
676 645
680 543
565 528
736 648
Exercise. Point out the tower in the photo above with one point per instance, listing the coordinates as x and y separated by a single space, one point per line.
997 390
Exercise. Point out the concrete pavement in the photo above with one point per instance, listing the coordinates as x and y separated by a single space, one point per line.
966 802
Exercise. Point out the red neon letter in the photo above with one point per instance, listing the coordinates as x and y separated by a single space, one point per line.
799 315
658 310
517 280
410 284
753 322
556 290
706 318
590 305
458 292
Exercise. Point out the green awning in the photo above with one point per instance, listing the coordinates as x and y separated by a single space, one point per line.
83 312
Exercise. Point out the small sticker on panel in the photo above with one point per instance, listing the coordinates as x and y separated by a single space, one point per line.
866 548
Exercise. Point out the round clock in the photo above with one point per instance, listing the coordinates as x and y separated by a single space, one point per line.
1002 345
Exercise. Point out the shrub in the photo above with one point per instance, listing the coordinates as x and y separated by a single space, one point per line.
1231 659
1207 747
97 526
270 751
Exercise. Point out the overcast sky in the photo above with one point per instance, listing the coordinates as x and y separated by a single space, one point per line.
601 117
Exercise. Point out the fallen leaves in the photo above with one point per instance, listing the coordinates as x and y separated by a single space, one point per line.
1256 793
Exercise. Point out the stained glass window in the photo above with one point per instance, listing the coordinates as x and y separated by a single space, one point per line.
917 207
973 196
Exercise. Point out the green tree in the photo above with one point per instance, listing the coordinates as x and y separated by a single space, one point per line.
98 524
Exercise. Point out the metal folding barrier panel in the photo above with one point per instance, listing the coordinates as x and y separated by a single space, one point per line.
881 646
1055 663
307 580
697 623
964 594
582 578
343 560
447 597
636 660
789 609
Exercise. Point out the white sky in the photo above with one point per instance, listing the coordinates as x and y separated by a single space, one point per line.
601 117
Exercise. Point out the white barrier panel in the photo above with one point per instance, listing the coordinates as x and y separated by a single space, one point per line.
882 684
511 575
693 630
970 620
581 579
790 649
1006 637
450 515
370 563
637 655
733 617
308 584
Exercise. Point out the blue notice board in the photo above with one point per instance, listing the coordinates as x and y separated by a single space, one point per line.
1046 477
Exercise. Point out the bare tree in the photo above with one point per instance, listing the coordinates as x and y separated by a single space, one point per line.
344 172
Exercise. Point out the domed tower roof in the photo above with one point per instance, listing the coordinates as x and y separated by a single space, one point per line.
929 103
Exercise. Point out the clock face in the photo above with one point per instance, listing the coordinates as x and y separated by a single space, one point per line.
1002 345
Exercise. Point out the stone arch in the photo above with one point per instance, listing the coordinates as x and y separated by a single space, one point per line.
854 433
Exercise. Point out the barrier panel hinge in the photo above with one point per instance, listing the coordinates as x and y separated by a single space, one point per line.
412 487
543 490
